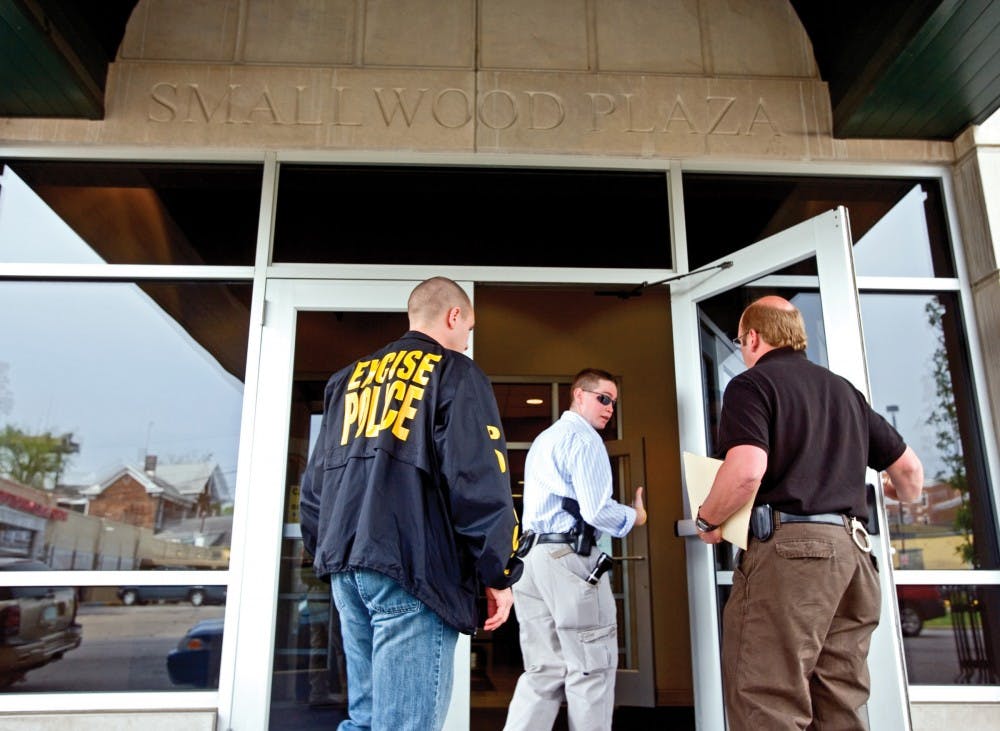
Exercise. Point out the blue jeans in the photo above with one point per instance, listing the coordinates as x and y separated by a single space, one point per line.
400 655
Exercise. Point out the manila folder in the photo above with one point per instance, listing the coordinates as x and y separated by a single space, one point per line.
699 474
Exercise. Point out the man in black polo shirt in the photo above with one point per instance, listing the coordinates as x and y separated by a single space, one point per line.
805 601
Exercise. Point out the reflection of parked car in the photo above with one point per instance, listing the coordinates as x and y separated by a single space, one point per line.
197 657
37 623
197 595
917 604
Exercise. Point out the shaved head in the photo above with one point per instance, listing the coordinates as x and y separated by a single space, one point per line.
439 307
431 299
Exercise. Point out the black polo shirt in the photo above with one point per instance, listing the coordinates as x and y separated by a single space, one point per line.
817 429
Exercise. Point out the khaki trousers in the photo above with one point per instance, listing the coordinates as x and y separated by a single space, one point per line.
796 631
569 641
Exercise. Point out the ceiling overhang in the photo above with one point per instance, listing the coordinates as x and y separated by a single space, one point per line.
55 55
896 69
906 69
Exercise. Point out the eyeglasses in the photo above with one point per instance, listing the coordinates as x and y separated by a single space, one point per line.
738 341
603 398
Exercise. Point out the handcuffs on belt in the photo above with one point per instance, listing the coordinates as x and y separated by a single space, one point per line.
859 534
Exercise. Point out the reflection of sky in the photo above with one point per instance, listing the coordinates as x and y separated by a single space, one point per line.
898 340
898 245
103 361
900 347
30 232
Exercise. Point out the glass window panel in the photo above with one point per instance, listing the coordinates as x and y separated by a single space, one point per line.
120 407
473 216
919 380
525 409
950 634
897 224
309 680
83 639
899 243
128 212
719 318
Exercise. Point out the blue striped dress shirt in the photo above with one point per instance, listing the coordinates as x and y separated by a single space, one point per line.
569 459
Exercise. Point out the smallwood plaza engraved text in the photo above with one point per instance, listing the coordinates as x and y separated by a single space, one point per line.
450 108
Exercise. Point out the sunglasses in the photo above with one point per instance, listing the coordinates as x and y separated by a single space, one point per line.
603 398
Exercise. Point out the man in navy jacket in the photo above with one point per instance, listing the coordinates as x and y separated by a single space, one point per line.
406 506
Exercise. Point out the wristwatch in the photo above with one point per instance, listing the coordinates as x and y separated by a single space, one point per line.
703 525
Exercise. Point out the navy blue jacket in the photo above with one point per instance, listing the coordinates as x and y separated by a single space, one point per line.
409 478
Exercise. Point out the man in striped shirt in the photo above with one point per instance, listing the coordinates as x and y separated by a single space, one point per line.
565 608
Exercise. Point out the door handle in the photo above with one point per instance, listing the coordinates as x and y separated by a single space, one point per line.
685 528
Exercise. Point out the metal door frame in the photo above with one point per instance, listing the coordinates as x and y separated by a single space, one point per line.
827 238
251 661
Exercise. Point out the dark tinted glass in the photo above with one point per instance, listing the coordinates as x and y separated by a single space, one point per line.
130 212
473 216
897 225
949 634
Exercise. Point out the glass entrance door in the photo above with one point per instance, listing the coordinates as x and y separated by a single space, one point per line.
634 682
290 672
288 668
811 265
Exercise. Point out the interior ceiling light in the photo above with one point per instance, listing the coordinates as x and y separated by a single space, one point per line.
534 402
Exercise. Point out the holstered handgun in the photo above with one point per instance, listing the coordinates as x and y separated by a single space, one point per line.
872 500
762 522
584 535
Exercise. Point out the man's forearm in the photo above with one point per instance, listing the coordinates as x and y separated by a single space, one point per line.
736 482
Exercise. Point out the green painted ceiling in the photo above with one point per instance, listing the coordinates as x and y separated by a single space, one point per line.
905 69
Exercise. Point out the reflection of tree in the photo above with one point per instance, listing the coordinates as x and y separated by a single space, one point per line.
31 459
6 400
944 421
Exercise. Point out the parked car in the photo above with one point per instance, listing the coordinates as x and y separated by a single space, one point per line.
198 655
917 604
37 623
197 595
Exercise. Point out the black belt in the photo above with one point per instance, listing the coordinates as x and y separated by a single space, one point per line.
828 518
554 537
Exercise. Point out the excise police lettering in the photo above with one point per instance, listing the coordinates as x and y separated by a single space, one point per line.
376 386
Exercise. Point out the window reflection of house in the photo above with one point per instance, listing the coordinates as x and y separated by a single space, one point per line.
201 481
938 506
160 496
132 496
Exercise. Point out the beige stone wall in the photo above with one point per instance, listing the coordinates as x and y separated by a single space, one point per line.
666 79
152 721
936 716
977 194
